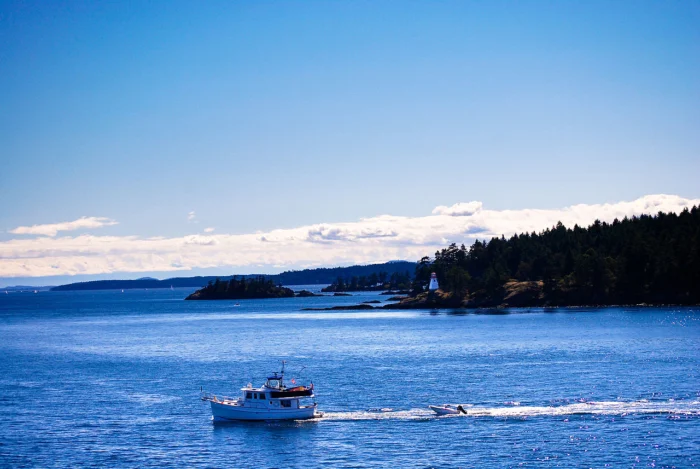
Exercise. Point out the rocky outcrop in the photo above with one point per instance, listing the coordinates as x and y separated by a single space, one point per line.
512 294
397 298
428 300
522 294
341 308
306 294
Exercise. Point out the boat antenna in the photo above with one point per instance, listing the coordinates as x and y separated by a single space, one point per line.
284 362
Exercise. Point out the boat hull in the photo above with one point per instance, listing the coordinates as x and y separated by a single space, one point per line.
228 412
441 410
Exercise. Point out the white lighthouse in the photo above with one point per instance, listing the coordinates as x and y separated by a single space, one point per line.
433 282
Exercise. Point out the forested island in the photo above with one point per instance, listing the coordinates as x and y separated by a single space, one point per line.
240 289
375 282
641 260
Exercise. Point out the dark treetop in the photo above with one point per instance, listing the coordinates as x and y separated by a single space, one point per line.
376 281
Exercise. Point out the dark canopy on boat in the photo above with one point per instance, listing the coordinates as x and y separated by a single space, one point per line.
294 393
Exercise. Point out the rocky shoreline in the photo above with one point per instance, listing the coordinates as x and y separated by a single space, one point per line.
513 294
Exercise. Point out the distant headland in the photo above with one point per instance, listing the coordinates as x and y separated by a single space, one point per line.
320 276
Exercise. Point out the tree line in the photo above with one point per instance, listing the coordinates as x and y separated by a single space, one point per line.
375 281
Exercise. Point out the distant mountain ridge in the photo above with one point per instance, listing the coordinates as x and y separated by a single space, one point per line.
294 277
20 288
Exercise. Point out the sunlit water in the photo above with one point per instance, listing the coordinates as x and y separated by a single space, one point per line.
111 379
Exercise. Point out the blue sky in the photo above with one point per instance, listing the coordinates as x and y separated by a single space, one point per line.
259 116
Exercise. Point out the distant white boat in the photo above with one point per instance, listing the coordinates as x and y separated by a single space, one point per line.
271 401
171 287
447 409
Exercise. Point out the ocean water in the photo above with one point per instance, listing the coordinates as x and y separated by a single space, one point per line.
111 379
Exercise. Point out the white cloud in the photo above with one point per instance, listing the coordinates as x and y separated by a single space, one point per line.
375 239
52 229
191 217
209 230
461 209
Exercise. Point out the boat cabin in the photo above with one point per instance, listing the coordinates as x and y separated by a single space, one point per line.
274 393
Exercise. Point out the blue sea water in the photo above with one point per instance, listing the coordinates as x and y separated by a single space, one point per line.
111 379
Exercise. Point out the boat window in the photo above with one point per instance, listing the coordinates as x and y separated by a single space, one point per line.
249 395
261 396
286 403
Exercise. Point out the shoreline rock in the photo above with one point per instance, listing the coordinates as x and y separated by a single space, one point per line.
513 294
396 298
306 294
341 308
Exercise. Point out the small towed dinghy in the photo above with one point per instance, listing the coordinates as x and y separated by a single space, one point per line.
447 409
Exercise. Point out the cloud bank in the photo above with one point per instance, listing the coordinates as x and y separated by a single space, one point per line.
52 229
369 240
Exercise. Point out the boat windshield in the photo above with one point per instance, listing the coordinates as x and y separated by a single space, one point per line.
273 383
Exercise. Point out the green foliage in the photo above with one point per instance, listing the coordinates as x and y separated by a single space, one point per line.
375 281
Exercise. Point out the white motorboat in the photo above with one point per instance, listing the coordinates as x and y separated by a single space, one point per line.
447 409
272 401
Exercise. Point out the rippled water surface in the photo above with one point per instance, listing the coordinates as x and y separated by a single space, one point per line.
112 379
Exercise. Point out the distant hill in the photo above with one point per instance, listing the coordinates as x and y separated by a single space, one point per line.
292 277
330 275
138 284
25 288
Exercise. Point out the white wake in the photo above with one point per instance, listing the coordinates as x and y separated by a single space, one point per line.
621 408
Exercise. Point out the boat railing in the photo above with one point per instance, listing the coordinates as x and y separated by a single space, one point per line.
207 396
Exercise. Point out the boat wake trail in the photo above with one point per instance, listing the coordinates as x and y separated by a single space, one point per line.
629 408
411 414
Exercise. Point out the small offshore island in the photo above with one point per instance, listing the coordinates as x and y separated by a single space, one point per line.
242 289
